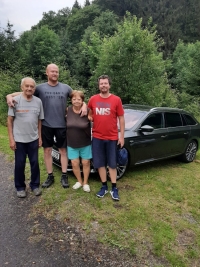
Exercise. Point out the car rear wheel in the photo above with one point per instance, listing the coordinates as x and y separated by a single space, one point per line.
190 152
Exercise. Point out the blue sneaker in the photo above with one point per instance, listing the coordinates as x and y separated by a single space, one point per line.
114 193
103 191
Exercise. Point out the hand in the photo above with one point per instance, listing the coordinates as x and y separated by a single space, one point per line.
120 142
83 113
40 142
90 117
13 145
11 101
84 110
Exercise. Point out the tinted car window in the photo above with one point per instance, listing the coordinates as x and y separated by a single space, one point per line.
189 120
172 119
183 120
154 120
132 117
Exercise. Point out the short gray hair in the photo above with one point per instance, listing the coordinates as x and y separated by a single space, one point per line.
23 80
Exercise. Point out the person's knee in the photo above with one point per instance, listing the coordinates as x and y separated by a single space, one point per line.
63 152
75 163
85 163
47 151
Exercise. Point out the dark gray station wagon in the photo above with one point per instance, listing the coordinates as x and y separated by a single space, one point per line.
155 133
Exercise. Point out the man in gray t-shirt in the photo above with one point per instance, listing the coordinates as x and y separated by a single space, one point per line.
54 99
24 130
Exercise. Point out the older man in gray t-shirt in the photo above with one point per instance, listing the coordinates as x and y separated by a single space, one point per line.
24 130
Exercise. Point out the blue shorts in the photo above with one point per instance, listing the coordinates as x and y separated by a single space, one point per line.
104 153
82 152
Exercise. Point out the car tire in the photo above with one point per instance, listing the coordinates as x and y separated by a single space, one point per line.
120 171
190 152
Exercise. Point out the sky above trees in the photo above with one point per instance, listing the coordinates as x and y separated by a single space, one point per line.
23 14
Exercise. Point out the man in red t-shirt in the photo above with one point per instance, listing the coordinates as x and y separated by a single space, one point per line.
105 111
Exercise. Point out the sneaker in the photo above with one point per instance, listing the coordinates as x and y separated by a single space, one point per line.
114 193
49 181
77 185
21 193
37 191
86 188
103 191
64 181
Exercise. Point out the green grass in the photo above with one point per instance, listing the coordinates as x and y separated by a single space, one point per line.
158 212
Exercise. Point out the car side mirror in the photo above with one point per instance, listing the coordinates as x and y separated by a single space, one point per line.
146 128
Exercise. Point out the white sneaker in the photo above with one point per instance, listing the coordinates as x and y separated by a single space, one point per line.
77 185
86 188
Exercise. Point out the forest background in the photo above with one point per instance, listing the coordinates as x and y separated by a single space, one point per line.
150 48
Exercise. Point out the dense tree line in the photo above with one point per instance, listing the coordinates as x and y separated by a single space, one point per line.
174 19
150 48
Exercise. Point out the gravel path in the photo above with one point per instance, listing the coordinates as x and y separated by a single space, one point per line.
40 242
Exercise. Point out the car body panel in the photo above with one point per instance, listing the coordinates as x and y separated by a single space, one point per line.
146 147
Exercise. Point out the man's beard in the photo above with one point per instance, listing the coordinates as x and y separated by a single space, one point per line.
104 92
53 78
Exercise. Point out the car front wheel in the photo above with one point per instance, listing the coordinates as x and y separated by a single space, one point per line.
190 152
120 171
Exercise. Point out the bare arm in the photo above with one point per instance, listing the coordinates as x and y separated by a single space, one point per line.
40 132
9 98
90 115
10 132
122 128
84 110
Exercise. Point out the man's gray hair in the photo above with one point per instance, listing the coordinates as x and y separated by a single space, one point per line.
23 80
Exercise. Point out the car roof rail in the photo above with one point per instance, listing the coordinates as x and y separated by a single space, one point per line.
166 109
151 108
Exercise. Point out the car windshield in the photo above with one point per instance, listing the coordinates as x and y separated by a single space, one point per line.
132 117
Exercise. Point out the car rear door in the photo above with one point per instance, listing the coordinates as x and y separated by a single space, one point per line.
178 133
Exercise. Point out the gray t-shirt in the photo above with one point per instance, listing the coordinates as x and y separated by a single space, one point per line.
26 115
54 100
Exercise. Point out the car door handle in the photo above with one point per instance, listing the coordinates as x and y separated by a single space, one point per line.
132 143
186 133
163 136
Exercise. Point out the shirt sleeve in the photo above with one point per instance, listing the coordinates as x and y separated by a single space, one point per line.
120 110
11 112
41 115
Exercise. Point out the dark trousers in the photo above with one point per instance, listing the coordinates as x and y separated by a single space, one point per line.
23 150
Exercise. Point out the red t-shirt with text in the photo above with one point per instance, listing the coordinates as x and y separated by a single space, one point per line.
105 114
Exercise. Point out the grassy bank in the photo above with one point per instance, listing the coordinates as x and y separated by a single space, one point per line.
158 213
